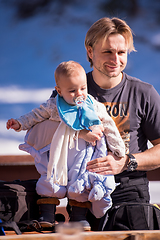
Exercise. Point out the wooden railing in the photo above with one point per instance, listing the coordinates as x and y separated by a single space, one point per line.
117 235
22 167
13 167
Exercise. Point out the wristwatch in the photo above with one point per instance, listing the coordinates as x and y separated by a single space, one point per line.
132 164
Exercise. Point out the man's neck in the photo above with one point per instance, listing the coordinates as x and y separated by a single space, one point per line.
104 81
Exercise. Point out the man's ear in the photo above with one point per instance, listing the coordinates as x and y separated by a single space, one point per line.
58 90
90 52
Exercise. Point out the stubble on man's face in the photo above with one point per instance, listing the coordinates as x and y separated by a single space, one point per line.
109 57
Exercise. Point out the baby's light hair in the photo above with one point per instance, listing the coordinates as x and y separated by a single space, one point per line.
67 69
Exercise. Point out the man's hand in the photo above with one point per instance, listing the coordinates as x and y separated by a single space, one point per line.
92 136
110 164
13 124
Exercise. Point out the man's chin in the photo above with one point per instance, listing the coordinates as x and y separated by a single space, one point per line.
113 74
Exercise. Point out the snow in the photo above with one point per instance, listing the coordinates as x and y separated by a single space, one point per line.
31 49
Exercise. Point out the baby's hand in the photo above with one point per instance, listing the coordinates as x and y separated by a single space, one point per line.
97 129
13 124
92 137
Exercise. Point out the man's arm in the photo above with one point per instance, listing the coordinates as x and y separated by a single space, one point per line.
147 160
150 159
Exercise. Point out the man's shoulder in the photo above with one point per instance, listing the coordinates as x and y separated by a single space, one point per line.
136 82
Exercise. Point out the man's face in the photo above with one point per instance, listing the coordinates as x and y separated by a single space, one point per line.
72 87
110 56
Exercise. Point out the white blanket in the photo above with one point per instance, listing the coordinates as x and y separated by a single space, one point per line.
57 165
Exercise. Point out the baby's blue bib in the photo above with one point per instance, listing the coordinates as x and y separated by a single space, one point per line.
75 117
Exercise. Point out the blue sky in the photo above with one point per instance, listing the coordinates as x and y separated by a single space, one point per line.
31 49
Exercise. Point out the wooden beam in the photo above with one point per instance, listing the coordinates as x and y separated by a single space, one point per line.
28 160
15 160
118 235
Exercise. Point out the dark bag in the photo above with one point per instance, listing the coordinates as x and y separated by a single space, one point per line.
18 202
132 216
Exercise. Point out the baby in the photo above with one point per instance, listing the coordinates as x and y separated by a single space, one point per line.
65 174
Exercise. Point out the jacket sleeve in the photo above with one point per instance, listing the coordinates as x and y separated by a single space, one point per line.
47 110
114 139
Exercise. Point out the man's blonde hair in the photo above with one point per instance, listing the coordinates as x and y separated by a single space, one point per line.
67 69
104 27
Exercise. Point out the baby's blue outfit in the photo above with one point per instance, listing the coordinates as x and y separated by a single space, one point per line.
82 185
90 186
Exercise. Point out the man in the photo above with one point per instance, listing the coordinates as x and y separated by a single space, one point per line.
133 105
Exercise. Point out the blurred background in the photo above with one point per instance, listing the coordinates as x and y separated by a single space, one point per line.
36 35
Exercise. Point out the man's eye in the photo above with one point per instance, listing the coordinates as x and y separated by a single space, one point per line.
107 51
121 52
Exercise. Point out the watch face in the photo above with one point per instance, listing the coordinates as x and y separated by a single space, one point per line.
132 165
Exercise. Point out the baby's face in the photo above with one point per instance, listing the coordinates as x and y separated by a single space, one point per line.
72 87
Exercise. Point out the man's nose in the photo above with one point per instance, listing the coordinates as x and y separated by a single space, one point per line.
114 58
